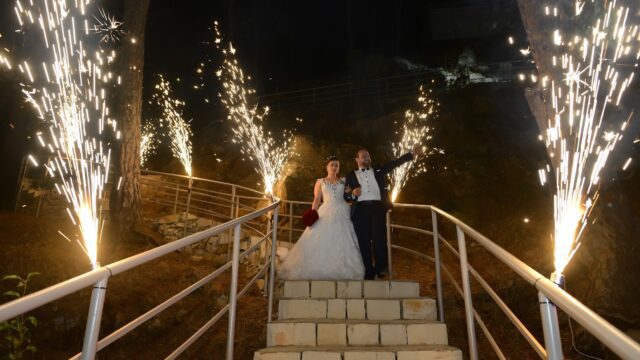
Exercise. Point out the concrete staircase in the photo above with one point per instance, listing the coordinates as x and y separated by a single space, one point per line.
356 320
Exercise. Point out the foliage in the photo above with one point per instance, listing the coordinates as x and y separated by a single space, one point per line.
17 331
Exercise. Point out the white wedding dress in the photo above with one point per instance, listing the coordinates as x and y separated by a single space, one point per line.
329 249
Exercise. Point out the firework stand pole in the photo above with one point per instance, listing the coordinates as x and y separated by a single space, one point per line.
186 212
92 331
550 327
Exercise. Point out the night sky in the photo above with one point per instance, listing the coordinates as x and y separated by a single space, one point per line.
284 45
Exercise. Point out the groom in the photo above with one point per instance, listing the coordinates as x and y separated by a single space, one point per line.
371 203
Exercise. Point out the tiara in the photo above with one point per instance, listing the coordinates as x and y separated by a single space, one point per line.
331 158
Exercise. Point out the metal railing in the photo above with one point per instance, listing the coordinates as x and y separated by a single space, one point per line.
550 295
225 202
98 278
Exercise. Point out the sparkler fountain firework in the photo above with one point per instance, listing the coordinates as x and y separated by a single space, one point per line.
69 94
585 79
415 130
591 72
172 119
248 119
148 142
179 132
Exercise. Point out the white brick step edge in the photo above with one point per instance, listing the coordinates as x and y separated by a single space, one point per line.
321 289
363 309
356 333
425 352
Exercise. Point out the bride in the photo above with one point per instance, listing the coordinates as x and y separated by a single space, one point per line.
327 250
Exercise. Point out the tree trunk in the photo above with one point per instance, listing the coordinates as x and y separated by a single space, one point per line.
129 111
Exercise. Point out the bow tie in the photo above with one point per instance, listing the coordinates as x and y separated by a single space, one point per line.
364 169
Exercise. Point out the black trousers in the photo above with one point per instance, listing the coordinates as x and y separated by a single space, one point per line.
369 221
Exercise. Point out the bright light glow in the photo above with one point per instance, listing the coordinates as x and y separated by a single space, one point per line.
415 131
590 78
148 142
107 27
172 118
270 155
69 96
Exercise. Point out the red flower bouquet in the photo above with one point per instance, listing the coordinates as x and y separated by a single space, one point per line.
310 217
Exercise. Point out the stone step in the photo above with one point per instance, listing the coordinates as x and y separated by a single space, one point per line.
321 289
423 352
355 333
363 309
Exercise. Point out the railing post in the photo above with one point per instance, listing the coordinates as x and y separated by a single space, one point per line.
175 200
389 259
550 327
23 173
186 211
436 256
233 199
237 215
468 304
92 331
266 275
272 270
233 293
290 224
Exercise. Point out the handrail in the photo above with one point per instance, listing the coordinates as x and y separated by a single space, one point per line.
535 344
613 338
101 274
186 177
44 296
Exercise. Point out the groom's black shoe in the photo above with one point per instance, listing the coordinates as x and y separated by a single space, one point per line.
384 273
369 277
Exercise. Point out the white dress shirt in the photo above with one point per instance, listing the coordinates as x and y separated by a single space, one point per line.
368 185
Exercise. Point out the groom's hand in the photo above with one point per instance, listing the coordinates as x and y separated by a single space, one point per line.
356 192
417 151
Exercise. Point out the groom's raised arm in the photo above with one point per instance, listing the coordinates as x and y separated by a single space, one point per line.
389 166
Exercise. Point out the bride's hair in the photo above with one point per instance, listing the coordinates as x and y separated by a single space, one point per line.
331 158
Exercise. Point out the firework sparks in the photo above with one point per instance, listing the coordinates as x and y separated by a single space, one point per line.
4 59
107 27
148 142
256 143
172 118
586 123
415 130
68 92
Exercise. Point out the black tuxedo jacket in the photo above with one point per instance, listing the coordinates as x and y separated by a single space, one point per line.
380 172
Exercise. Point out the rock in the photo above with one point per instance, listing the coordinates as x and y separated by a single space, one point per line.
212 244
219 260
223 238
203 223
